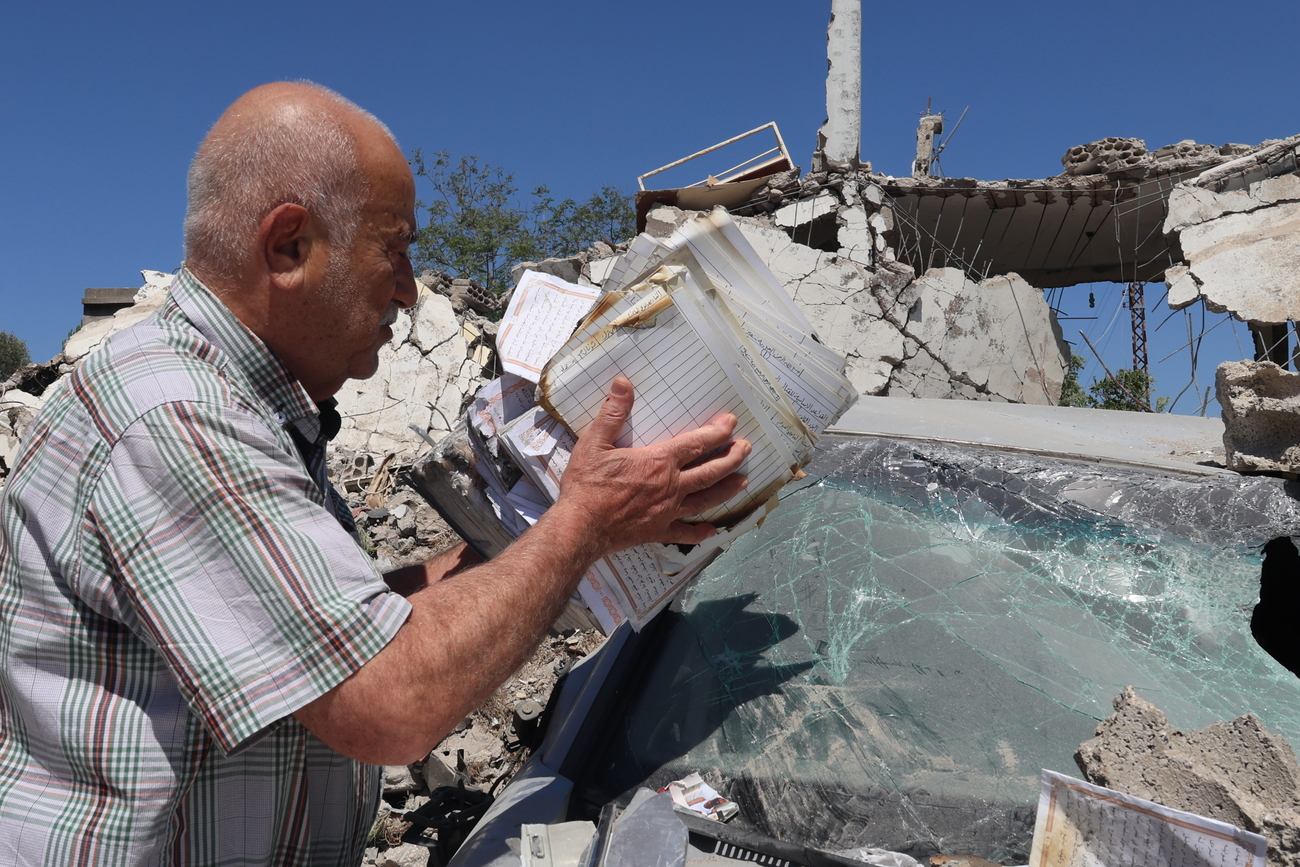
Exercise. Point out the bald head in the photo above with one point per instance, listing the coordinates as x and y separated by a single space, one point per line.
288 142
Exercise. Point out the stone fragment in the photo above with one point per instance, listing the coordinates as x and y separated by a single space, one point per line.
437 772
598 270
405 855
871 193
804 211
398 780
1261 416
402 327
1183 288
569 269
1236 771
663 220
855 234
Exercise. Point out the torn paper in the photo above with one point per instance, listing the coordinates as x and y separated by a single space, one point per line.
1082 825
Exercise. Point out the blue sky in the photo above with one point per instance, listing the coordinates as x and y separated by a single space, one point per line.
102 105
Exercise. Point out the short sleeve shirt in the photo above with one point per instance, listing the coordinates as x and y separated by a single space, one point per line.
174 584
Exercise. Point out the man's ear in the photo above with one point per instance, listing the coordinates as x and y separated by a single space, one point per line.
286 239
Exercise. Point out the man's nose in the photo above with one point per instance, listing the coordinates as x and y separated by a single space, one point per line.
406 293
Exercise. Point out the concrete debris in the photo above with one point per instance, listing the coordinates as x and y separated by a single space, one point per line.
1107 156
464 293
1261 416
434 363
150 297
804 211
1239 249
939 335
1236 772
405 855
482 754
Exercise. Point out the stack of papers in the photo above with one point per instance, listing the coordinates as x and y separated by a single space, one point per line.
701 327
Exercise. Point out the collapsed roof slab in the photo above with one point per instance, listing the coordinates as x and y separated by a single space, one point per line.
1103 220
1054 232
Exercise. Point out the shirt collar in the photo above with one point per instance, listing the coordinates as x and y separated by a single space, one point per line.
270 379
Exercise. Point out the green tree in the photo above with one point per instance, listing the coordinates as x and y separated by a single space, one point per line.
1072 393
566 228
477 228
13 354
1128 390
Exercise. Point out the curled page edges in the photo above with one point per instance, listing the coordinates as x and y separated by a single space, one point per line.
686 368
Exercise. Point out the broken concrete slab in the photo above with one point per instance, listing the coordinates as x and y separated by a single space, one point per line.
1239 248
1261 416
804 211
1237 771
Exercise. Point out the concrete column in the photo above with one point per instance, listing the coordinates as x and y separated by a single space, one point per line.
840 137
930 126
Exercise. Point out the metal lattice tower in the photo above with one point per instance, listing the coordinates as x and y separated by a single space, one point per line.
1137 308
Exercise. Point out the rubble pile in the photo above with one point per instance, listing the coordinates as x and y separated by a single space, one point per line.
483 752
1236 771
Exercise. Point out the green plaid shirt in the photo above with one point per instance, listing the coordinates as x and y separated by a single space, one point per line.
174 584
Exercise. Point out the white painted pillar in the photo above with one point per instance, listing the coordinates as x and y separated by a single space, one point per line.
840 137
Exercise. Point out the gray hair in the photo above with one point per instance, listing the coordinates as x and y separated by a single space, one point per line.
302 153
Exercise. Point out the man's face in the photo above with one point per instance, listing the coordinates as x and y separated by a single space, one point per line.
364 285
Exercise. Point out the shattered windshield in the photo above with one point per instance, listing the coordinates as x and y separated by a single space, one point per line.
917 630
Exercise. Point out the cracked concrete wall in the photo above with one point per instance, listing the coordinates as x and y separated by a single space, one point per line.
939 335
1240 249
425 373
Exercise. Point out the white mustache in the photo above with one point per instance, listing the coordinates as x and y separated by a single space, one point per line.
390 315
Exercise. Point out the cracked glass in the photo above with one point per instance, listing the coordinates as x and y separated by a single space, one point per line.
918 630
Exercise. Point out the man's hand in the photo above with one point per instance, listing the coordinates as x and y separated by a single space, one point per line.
630 496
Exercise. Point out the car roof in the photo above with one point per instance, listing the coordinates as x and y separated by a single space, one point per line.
1159 441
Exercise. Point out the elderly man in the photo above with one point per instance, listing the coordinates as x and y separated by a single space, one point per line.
200 666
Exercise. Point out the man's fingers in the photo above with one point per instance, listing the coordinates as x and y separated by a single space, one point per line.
717 466
715 495
608 424
695 444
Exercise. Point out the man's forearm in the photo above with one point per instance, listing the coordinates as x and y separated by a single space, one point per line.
466 634
409 579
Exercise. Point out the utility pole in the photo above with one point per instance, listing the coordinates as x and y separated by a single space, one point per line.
1137 309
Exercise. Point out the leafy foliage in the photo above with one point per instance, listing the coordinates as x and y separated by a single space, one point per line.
477 229
13 354
1128 390
1072 394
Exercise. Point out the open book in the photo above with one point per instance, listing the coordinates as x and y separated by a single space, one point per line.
701 327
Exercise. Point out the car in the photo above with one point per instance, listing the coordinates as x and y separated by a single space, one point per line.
946 603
